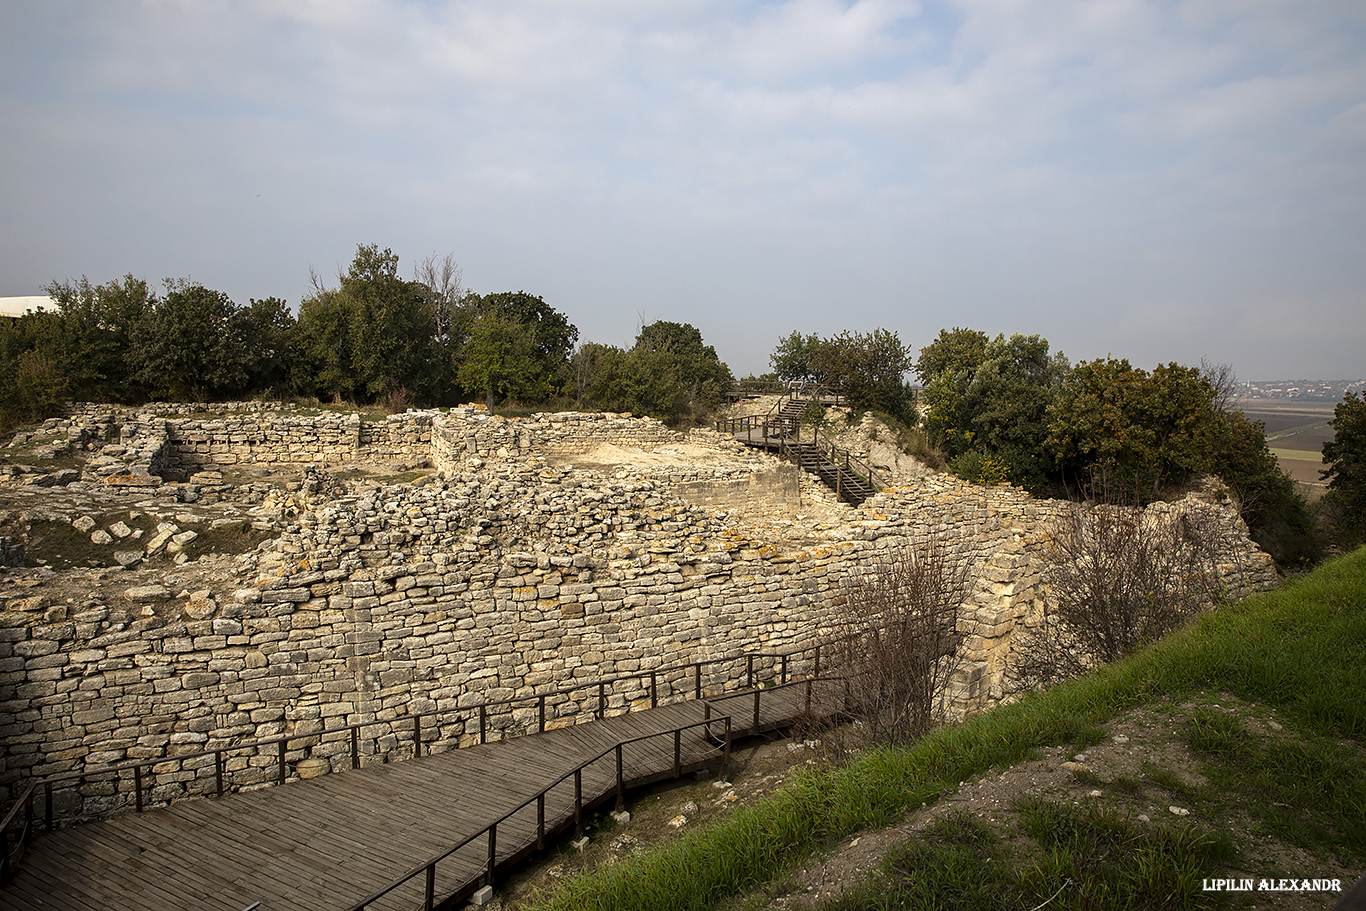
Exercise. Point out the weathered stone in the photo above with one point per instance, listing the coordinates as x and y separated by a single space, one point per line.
312 768
146 593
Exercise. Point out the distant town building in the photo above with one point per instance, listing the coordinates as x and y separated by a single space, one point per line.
15 307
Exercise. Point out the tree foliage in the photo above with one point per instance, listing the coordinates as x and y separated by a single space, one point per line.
1345 458
93 339
670 373
189 345
869 369
988 400
373 334
1145 431
517 347
795 358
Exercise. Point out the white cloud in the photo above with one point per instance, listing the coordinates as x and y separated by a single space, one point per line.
989 155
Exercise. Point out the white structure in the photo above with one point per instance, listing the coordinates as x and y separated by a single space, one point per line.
15 307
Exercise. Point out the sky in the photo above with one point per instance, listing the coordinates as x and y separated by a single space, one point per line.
1159 180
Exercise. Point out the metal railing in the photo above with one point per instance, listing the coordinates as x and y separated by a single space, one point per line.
20 824
844 460
490 832
619 784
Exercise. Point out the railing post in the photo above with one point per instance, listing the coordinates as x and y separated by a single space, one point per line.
818 661
578 802
483 722
654 689
698 668
540 709
678 752
417 736
602 700
725 757
218 771
749 670
808 695
355 746
493 853
784 672
621 781
430 901
282 762
756 710
540 822
137 785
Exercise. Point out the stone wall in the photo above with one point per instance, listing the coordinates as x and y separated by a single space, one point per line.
471 432
161 440
509 577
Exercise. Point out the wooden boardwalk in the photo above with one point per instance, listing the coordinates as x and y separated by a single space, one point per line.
332 842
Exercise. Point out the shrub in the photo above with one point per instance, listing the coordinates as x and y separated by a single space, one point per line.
901 639
1117 579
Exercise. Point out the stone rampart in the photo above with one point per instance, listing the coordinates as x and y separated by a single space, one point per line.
510 577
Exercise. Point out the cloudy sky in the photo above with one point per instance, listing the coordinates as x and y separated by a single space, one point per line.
1156 179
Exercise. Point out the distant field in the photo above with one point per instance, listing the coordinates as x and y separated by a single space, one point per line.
1296 432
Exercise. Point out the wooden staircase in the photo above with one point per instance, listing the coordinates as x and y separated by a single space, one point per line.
847 484
852 479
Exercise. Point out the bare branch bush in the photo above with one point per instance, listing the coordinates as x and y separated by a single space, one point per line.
901 639
1116 579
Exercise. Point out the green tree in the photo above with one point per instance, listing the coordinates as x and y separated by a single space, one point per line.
988 401
323 334
670 373
32 386
374 334
1345 458
1142 432
690 369
500 359
946 368
869 369
599 376
93 341
190 346
268 330
795 358
517 347
1006 405
1277 515
392 327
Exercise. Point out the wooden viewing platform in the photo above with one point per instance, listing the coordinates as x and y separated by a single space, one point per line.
341 840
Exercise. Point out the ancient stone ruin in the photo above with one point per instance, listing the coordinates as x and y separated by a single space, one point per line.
259 571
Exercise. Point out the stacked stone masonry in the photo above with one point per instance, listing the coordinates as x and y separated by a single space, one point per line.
511 576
